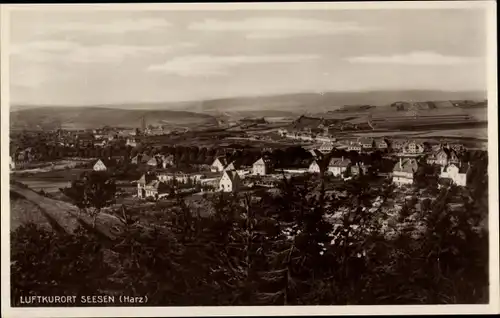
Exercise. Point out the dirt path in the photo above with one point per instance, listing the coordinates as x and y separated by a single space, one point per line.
65 216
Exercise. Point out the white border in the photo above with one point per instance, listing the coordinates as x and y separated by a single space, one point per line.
493 307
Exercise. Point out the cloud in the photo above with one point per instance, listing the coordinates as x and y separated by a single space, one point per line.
414 58
43 51
116 26
206 65
275 27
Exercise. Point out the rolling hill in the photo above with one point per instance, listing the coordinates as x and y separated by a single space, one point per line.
197 113
316 102
94 117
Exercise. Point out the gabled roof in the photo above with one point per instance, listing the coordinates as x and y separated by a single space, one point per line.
462 167
406 165
339 162
233 175
154 161
263 161
221 159
233 165
156 184
107 162
314 162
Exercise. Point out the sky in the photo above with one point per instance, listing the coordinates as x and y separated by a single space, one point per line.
112 57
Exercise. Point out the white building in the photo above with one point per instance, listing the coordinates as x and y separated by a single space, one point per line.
314 167
404 171
413 147
154 162
338 166
261 167
354 146
219 164
180 177
442 157
326 147
457 173
102 165
229 182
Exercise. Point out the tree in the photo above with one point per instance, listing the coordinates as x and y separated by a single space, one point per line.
49 263
92 192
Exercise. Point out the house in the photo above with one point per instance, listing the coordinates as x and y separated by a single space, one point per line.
359 169
404 171
142 182
366 143
261 167
85 140
140 158
154 162
168 161
218 164
314 167
326 147
398 145
104 164
155 189
180 177
230 182
413 147
338 166
457 173
231 166
354 146
443 156
136 159
381 144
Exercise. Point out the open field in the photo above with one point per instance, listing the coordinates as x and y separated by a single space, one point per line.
94 117
52 166
478 133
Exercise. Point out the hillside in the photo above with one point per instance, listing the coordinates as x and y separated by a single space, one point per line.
296 102
94 117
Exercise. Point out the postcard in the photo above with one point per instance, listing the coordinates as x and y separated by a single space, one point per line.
249 159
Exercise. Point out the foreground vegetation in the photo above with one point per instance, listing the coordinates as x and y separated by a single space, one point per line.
298 245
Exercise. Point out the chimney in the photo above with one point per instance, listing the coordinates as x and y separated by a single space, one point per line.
400 163
342 158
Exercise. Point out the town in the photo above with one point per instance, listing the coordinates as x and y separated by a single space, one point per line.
259 158
317 150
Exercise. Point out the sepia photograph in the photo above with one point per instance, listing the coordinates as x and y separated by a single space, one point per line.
253 156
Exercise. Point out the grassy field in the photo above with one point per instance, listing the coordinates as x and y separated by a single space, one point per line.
23 212
479 133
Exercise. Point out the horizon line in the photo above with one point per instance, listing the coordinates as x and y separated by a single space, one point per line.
102 105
